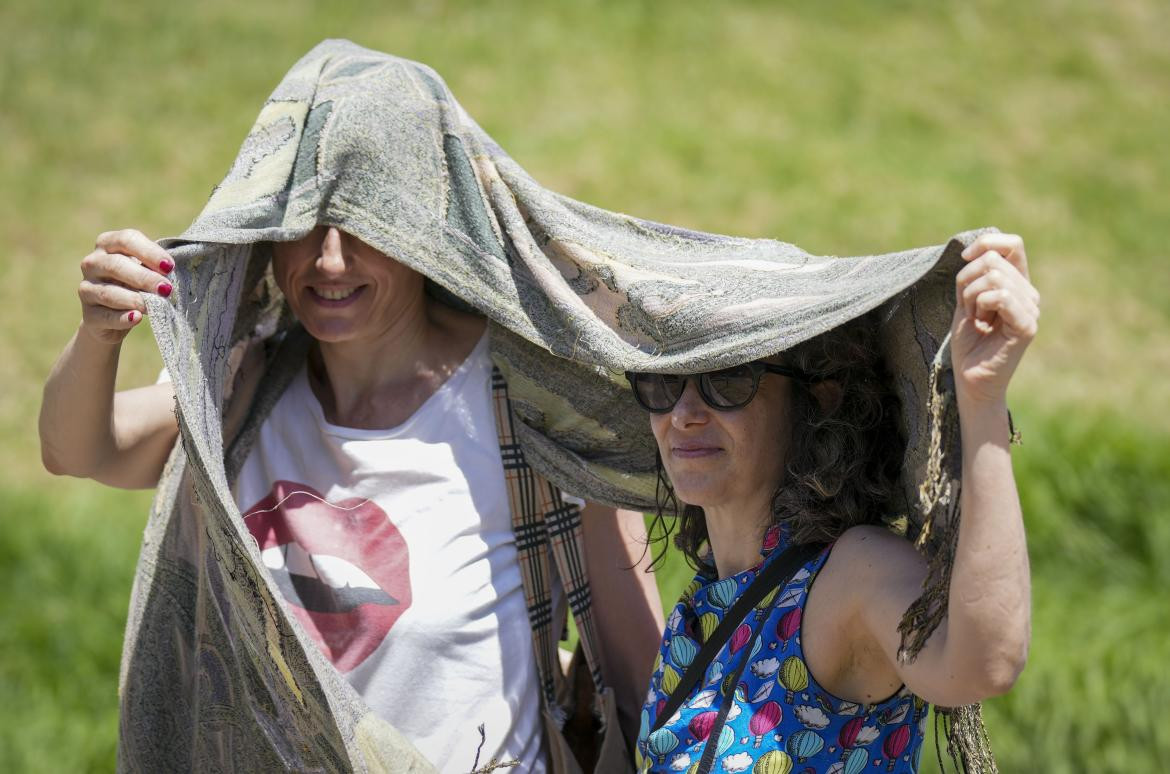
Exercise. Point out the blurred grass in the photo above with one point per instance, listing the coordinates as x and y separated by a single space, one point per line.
850 127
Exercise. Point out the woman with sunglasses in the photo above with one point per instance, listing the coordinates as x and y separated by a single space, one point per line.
802 451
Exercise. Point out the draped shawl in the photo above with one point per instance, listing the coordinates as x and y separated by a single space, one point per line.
215 674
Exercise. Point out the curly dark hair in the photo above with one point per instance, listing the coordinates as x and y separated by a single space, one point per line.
844 456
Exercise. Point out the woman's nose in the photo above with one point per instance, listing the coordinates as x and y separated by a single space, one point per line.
690 409
332 258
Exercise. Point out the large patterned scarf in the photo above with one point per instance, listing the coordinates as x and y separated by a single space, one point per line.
215 674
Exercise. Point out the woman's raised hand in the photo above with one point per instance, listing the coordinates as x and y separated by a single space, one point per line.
996 317
121 264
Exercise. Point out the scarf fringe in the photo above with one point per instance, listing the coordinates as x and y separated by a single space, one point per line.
967 743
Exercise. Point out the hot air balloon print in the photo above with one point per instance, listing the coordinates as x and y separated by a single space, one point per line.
764 720
740 638
726 737
771 539
855 761
670 680
759 643
683 650
804 744
708 622
765 604
660 743
773 762
847 737
644 728
715 673
700 725
793 676
692 587
722 594
789 624
895 744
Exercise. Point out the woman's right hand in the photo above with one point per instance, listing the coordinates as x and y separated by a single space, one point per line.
121 264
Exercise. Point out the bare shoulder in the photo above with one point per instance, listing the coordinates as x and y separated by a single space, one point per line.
875 556
853 609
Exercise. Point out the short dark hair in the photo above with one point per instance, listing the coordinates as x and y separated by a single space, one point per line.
844 459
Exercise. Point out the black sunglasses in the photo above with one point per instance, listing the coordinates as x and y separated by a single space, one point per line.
724 390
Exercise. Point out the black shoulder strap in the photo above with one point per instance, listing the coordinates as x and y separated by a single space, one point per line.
773 577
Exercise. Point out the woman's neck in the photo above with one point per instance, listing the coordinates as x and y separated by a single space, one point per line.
379 383
736 532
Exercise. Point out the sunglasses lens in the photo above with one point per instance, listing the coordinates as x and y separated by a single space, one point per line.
729 388
658 392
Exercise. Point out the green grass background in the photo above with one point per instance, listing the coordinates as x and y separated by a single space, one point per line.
845 127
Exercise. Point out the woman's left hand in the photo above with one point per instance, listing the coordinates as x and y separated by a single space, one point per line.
997 315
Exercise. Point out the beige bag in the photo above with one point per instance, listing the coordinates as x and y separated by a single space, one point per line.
590 739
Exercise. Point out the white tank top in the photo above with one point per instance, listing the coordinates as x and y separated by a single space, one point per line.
394 549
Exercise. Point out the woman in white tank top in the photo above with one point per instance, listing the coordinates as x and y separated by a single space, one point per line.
375 492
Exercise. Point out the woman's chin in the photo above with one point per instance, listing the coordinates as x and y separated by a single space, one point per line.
330 331
696 493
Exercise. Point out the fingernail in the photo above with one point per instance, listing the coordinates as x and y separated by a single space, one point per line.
133 317
164 289
166 266
967 251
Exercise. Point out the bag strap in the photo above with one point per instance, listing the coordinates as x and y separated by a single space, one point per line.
528 528
563 525
545 525
770 580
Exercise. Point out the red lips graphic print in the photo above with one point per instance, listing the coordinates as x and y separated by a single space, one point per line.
344 567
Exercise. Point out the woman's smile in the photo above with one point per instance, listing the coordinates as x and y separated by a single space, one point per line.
336 297
342 289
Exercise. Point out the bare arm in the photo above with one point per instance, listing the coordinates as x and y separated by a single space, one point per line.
984 646
86 429
980 648
626 605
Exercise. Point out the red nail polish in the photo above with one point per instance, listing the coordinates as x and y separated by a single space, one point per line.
134 317
166 266
164 289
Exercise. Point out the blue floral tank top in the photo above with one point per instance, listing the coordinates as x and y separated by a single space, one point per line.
781 721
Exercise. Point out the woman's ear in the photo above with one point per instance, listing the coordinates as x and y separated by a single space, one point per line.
828 395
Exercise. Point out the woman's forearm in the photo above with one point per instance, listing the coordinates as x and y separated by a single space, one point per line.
87 430
76 420
989 613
